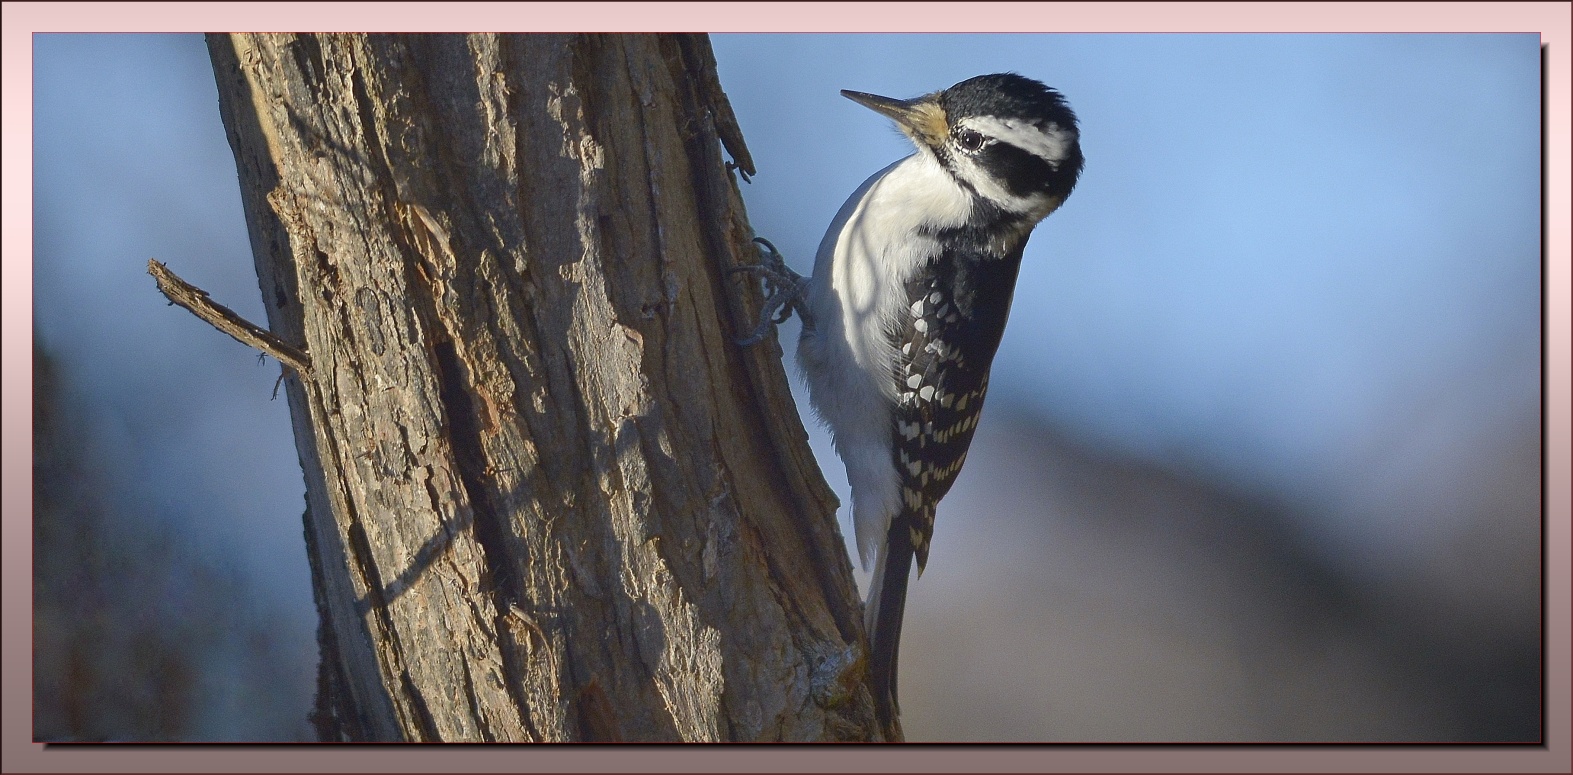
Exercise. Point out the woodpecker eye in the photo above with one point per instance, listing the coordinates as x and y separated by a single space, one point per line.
969 140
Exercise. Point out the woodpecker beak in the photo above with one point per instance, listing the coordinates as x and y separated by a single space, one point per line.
922 119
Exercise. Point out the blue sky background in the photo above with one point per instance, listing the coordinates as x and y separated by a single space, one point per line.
1280 242
1304 265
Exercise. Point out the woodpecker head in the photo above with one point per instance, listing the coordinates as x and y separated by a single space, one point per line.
1009 140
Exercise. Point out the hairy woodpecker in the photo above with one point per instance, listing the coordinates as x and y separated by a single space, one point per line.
907 304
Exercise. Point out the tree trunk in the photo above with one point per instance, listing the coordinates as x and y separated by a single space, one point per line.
547 497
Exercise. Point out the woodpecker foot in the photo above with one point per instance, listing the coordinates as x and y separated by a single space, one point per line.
784 292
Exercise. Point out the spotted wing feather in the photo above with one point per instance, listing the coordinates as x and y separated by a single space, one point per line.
956 317
957 304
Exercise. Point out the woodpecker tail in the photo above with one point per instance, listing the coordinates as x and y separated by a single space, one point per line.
887 600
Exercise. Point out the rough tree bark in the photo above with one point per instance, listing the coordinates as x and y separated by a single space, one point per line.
547 497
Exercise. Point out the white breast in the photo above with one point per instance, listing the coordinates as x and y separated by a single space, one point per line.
870 251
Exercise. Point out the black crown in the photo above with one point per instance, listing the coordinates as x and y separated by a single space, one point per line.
1006 95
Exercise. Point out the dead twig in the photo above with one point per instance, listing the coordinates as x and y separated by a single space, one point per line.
196 300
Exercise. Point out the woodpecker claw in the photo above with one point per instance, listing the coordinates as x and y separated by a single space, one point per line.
785 290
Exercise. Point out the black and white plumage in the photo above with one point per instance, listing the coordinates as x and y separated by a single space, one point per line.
911 289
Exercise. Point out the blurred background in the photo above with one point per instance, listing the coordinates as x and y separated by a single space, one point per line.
1262 459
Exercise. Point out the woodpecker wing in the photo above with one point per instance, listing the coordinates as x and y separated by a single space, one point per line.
957 303
955 318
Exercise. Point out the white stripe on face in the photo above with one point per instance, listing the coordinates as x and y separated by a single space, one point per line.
1050 142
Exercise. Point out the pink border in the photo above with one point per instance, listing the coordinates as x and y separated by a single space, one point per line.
1552 20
